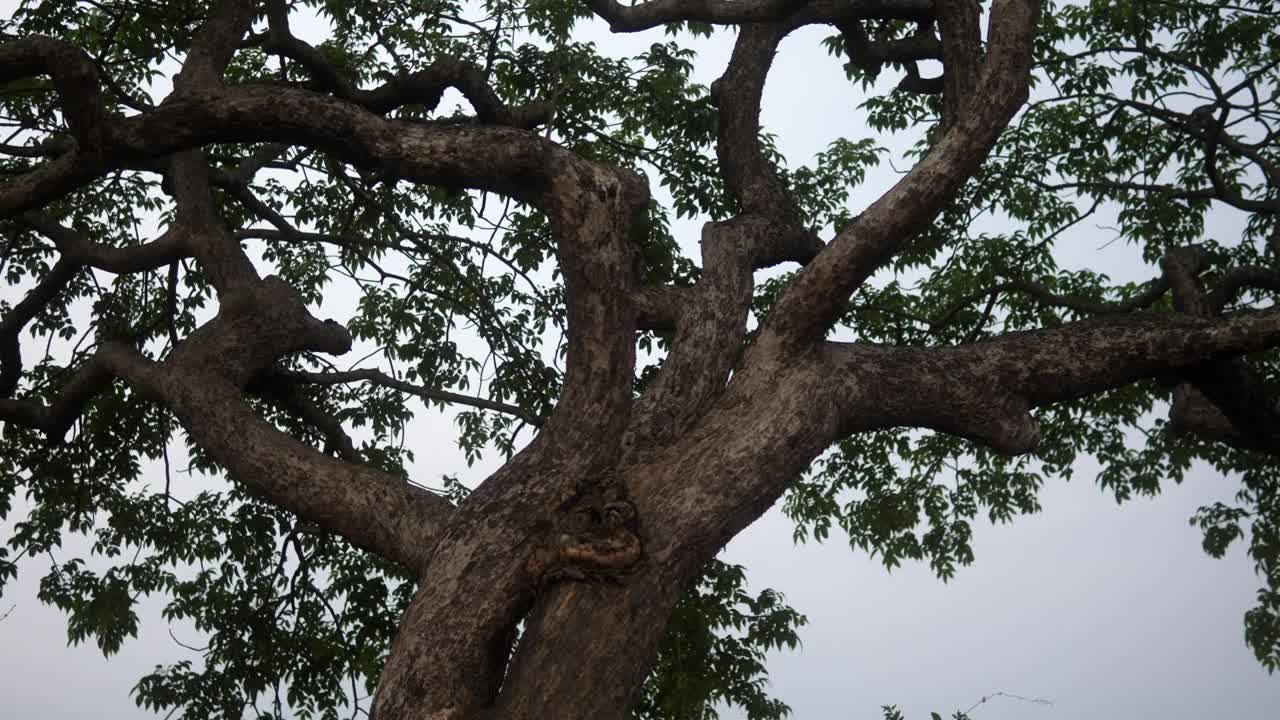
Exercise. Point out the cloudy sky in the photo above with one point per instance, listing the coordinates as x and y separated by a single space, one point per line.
1106 612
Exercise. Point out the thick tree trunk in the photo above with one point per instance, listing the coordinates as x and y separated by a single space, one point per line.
586 539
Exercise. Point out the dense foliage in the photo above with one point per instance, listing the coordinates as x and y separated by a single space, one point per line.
456 301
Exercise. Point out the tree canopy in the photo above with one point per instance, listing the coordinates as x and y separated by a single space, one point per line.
495 210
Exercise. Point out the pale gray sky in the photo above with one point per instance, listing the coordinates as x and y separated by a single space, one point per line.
1110 613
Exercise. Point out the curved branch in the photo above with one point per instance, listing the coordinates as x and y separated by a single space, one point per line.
1237 279
1193 412
645 15
285 395
75 77
1084 305
60 275
985 390
871 56
642 16
815 298
377 377
749 175
56 418
425 86
660 307
77 252
512 162
371 509
1240 399
50 181
78 249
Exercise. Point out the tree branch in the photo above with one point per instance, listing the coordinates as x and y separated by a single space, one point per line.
74 76
871 56
60 275
425 86
593 211
767 230
659 307
1228 402
642 16
1087 306
1239 396
78 249
378 377
276 389
1237 279
645 15
749 175
815 298
1193 412
961 40
496 159
371 509
55 419
985 391
214 45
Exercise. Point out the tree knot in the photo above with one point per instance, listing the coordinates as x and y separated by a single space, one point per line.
590 539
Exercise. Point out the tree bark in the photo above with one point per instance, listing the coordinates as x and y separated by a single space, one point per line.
589 535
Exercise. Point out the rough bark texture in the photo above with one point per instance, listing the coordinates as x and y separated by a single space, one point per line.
664 480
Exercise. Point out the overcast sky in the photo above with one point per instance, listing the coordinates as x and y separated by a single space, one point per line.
1107 612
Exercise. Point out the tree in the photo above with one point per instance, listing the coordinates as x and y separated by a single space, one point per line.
650 407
